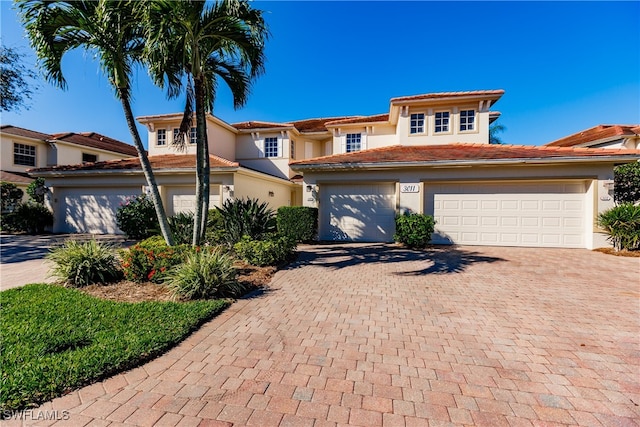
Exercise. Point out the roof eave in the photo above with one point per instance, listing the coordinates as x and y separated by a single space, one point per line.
460 163
94 172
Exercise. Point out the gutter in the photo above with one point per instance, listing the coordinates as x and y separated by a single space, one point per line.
101 172
455 163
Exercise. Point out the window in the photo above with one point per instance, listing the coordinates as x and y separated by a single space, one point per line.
353 142
417 123
271 147
192 136
176 132
89 158
442 122
24 155
467 120
292 151
161 137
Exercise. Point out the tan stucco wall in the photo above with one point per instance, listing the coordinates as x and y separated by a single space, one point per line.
248 153
68 154
595 175
247 185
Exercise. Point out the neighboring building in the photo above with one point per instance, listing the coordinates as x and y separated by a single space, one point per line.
428 154
24 149
603 136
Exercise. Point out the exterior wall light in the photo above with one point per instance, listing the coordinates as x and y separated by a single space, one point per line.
271 194
309 188
609 185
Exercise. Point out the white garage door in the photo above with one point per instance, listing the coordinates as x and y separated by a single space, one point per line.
357 212
183 199
93 210
542 214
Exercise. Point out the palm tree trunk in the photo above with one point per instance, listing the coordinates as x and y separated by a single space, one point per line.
148 172
202 167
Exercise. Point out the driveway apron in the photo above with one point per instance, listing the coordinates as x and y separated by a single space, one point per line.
373 335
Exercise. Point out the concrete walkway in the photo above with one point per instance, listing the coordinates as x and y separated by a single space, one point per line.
376 335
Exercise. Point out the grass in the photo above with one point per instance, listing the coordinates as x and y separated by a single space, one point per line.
56 339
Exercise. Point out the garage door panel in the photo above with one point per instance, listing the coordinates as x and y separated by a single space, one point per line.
183 199
511 214
93 210
357 212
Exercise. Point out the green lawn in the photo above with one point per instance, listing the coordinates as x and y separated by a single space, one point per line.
56 339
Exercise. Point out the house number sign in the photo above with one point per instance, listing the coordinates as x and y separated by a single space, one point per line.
409 188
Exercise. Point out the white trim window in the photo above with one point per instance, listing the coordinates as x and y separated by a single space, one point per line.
89 158
161 137
271 147
417 123
24 155
467 120
441 122
353 142
176 132
193 136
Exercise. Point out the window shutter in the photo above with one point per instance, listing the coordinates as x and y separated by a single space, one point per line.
363 141
343 143
260 146
280 142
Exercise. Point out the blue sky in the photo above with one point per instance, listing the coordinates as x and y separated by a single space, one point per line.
565 66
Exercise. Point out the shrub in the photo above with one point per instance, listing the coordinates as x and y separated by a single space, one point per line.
10 196
299 223
83 263
274 250
151 259
36 190
246 217
205 273
137 218
181 226
414 230
32 217
214 233
622 223
627 183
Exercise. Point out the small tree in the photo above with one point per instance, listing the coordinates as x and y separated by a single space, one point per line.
627 183
11 196
36 190
15 89
494 130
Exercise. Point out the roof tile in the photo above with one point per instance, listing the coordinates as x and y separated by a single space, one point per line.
594 134
18 131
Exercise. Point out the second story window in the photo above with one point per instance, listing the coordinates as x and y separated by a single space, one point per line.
442 122
467 120
292 152
354 142
176 132
193 138
417 123
89 158
161 137
271 147
24 155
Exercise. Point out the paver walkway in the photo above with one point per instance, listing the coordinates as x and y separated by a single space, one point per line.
373 335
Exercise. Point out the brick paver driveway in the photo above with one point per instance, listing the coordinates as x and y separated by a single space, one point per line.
374 335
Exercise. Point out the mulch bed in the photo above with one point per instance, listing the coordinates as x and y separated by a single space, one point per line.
126 291
624 252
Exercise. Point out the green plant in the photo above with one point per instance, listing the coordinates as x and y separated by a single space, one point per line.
83 263
214 233
206 273
32 217
10 196
414 230
181 225
622 223
56 339
36 190
299 223
136 217
246 217
274 250
627 183
151 259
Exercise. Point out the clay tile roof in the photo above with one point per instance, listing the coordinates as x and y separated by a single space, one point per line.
594 134
461 152
15 177
15 130
439 95
260 125
95 140
164 161
315 125
361 119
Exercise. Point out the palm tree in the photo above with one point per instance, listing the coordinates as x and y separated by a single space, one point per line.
494 130
110 29
191 44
